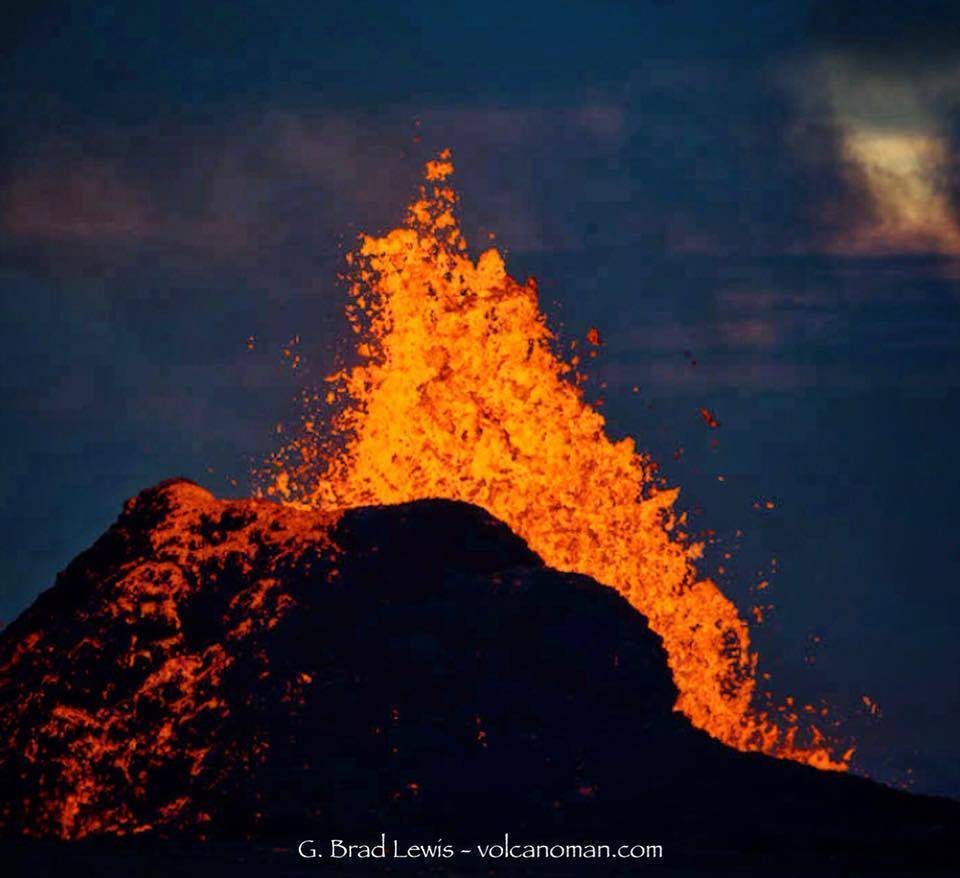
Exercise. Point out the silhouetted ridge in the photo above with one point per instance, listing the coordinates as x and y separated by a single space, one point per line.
243 670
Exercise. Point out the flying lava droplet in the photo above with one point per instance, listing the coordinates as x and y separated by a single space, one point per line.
709 418
461 393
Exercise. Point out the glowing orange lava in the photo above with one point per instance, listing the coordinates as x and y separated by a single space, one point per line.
460 394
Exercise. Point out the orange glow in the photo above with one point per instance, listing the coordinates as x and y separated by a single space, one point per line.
101 760
903 174
461 394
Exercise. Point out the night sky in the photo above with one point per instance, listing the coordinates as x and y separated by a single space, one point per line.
769 190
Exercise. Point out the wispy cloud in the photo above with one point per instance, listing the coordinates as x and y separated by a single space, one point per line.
82 201
255 183
894 124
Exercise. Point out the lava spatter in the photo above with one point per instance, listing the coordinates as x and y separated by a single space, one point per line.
461 393
110 703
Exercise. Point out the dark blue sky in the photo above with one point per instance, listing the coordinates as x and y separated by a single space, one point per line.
769 187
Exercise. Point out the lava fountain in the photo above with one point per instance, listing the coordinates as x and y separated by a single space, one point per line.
460 393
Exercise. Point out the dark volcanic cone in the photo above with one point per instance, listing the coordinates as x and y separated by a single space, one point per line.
236 670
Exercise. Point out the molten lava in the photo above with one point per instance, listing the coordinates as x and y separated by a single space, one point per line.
112 685
460 394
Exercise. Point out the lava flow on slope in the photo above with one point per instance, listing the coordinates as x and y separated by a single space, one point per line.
460 393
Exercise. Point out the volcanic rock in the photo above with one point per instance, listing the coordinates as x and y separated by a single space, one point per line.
235 675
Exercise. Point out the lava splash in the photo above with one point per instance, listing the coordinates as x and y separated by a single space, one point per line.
460 393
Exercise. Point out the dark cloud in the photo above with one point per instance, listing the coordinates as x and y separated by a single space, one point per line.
887 34
681 159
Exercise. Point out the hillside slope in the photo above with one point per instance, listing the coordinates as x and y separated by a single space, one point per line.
242 672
